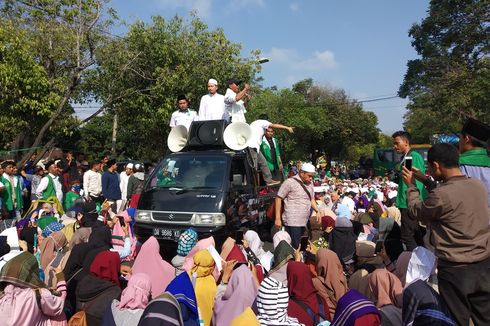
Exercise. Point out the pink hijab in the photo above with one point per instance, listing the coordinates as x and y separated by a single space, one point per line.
200 245
240 293
151 263
117 230
136 294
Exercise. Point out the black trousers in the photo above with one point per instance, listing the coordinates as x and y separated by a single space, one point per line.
411 233
466 291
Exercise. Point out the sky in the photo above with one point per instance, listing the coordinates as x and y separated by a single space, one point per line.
361 46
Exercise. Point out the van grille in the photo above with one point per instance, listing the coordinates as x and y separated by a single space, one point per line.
172 216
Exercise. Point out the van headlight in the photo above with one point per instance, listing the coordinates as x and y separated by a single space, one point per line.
143 216
208 219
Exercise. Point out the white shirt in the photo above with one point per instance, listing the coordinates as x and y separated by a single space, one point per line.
44 184
185 119
92 183
258 130
123 184
212 107
236 109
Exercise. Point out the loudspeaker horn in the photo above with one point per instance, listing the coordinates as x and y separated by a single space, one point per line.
237 135
177 138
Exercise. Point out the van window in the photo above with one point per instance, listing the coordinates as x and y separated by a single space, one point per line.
238 173
190 172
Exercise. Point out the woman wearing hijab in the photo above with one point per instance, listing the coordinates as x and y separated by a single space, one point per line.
402 266
205 284
187 241
96 290
387 290
283 253
424 306
391 250
78 263
272 304
254 244
134 299
280 236
200 245
227 247
305 303
24 298
330 282
55 242
354 309
182 289
151 263
162 311
240 293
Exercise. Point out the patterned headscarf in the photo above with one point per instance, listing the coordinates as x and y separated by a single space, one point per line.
22 271
52 227
187 241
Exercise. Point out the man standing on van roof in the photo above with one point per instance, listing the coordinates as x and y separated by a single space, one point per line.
234 100
410 230
258 129
296 194
270 149
212 106
183 116
474 160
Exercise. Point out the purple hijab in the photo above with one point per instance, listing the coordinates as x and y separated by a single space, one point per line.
352 305
240 293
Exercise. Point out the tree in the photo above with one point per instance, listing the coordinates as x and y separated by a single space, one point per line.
451 80
61 38
325 120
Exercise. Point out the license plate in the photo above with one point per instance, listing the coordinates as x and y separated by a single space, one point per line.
166 234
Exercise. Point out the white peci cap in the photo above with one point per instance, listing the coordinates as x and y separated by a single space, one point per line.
308 167
213 81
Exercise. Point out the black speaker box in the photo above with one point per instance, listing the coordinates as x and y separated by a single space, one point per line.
207 133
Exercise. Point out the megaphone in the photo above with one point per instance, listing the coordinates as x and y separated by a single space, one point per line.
237 135
177 138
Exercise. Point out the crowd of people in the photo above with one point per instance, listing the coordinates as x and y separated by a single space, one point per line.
344 252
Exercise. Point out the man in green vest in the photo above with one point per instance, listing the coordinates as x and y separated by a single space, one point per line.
411 233
12 191
474 160
270 149
50 185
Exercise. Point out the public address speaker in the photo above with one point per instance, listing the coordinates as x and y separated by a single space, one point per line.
237 135
177 138
205 134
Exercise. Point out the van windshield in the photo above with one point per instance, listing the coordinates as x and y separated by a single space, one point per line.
190 172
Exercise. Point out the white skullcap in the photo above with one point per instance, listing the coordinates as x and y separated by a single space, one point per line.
308 167
129 166
213 81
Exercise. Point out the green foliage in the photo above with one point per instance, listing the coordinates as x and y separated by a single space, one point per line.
26 97
451 80
50 46
325 121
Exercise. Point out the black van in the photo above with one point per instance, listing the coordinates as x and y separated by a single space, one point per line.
213 191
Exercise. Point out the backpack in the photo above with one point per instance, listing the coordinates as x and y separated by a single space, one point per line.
317 319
